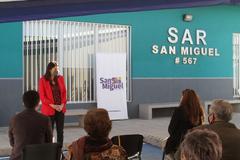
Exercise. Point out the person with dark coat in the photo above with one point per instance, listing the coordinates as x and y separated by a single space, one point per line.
28 127
220 113
188 115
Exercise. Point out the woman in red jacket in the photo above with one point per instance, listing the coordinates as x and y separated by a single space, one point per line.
52 92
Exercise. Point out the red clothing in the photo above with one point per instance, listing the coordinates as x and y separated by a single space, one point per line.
46 95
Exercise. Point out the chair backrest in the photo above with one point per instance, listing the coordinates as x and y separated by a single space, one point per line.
131 143
47 151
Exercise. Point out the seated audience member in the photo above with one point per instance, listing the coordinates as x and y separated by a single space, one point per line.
29 126
97 145
189 114
201 144
220 113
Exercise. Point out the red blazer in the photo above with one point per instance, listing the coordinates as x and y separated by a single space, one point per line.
45 92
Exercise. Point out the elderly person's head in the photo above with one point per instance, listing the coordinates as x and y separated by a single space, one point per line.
97 123
201 144
220 110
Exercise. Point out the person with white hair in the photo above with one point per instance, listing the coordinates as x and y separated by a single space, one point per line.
201 144
220 115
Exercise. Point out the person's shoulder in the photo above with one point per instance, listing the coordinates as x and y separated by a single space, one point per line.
238 131
13 119
42 78
43 117
204 126
218 128
179 110
234 127
60 77
19 114
17 117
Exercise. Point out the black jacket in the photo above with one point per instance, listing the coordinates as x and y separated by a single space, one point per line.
178 127
28 127
230 136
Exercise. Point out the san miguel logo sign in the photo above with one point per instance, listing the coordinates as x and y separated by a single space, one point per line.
192 45
114 83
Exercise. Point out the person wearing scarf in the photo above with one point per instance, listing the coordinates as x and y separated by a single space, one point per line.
96 145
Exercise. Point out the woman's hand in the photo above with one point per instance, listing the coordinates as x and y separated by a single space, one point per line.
55 107
60 107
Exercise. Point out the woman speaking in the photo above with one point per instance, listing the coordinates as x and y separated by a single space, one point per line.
52 92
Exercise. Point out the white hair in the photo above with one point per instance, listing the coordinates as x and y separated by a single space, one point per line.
222 109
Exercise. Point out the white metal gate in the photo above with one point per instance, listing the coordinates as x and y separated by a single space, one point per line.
73 45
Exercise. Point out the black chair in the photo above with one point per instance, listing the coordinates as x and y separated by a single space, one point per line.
131 143
47 151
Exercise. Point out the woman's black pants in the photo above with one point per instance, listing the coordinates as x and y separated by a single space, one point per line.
58 118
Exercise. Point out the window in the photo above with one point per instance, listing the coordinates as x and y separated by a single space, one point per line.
74 46
236 64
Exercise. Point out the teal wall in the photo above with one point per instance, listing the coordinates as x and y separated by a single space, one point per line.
151 27
11 50
148 28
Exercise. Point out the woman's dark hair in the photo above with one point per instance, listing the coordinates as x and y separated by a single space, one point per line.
97 123
191 104
31 99
50 66
201 144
